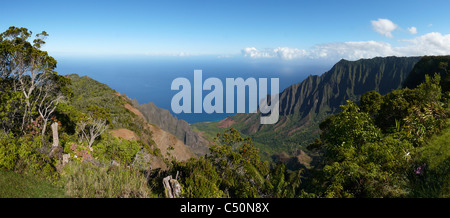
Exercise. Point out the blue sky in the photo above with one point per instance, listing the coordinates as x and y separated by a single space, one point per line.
255 29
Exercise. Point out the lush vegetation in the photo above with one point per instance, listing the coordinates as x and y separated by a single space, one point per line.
303 106
394 144
234 169
383 149
34 98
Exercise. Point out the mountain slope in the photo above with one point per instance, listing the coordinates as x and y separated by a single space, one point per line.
180 128
126 121
304 105
429 65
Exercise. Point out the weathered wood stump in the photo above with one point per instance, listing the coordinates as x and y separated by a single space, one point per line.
172 187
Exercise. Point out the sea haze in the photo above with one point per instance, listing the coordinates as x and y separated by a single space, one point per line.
148 79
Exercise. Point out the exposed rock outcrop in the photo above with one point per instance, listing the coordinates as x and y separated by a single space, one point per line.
180 128
169 146
304 105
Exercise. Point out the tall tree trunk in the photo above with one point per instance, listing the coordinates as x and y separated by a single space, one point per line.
55 135
91 141
44 128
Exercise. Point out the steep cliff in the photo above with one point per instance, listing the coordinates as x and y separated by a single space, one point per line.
429 65
304 105
180 128
127 122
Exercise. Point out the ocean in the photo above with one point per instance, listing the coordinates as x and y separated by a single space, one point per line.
149 79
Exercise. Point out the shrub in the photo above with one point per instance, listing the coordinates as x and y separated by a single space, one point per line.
121 150
199 179
9 154
26 154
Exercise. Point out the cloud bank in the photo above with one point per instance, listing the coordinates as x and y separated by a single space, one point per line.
429 44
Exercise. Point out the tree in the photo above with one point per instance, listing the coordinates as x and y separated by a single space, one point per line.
200 178
47 98
371 102
90 129
427 116
371 170
238 164
31 73
349 128
359 161
284 184
93 124
394 108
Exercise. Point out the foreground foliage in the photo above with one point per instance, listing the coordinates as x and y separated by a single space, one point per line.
87 181
383 147
234 169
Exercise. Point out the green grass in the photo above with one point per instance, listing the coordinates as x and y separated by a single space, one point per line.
436 154
209 129
83 180
14 185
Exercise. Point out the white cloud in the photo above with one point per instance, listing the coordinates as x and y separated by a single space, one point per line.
384 27
255 53
428 44
347 50
280 52
170 54
352 50
412 30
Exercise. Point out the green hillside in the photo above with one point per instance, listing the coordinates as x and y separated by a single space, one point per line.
76 137
429 65
304 105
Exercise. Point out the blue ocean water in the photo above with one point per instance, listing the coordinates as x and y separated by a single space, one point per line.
149 79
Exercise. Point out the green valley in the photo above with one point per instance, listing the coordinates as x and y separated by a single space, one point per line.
372 128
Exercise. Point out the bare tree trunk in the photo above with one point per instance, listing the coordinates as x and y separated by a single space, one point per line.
91 141
44 128
172 187
55 135
167 186
24 117
56 150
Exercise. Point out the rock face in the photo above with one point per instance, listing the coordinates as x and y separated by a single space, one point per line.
168 144
429 65
347 80
180 128
304 105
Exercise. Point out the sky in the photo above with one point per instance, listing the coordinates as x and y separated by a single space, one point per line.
276 29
